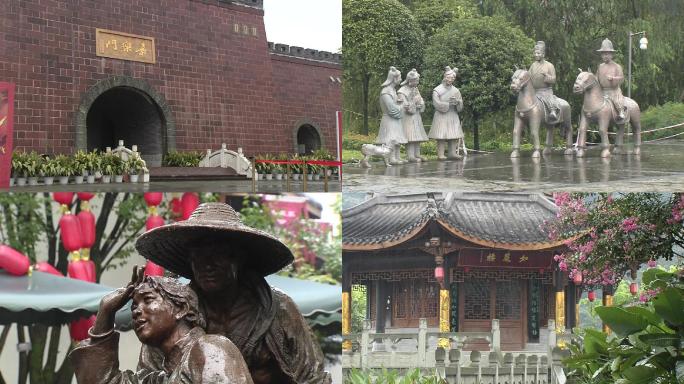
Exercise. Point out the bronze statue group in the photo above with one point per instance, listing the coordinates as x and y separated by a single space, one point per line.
227 326
536 105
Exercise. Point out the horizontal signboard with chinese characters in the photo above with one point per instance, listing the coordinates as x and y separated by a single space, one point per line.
125 46
469 257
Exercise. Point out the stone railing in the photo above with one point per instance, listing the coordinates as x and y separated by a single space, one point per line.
125 153
304 53
225 158
405 351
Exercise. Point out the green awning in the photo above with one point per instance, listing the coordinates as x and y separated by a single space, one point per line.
49 299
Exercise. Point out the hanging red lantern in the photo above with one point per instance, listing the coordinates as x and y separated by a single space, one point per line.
64 198
439 273
154 221
153 198
152 269
13 261
78 270
86 220
78 330
189 202
89 266
70 227
577 278
634 288
176 209
591 296
85 196
46 267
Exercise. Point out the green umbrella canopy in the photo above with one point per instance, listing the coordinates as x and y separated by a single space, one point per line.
49 299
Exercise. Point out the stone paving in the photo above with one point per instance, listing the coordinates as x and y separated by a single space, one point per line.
660 167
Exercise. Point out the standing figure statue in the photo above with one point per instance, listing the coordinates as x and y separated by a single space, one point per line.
391 131
538 105
226 262
605 105
446 126
414 105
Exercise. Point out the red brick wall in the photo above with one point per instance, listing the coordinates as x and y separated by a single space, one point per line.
306 93
218 83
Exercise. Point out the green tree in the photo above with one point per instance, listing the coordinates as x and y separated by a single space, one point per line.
485 50
376 34
28 224
432 15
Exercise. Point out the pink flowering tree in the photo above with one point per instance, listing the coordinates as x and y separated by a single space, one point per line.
609 235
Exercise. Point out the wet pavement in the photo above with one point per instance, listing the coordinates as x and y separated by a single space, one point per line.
223 186
660 167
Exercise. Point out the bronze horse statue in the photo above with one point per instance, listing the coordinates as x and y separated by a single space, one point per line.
529 111
597 109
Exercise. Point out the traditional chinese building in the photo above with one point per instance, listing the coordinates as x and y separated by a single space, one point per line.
458 260
165 75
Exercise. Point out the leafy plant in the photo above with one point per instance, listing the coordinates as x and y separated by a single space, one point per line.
94 161
648 341
50 167
356 376
33 164
19 164
182 159
65 165
111 164
81 162
135 163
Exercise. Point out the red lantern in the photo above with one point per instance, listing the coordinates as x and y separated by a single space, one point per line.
634 288
153 198
154 221
439 273
85 196
89 267
79 329
152 269
13 261
78 270
86 221
466 269
70 227
592 296
577 278
47 268
189 202
176 209
63 198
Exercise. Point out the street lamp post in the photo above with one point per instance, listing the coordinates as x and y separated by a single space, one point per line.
643 44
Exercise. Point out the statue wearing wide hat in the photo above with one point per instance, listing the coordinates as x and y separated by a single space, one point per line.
226 262
610 77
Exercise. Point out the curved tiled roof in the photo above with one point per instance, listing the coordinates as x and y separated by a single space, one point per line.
501 220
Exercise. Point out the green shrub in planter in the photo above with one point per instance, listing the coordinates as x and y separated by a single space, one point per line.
81 163
111 164
94 161
65 165
19 164
182 159
135 164
33 164
50 168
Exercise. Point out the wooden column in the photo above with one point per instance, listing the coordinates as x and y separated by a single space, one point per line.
380 305
607 302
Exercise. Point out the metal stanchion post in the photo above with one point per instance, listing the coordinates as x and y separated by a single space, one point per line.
325 179
304 177
253 175
289 175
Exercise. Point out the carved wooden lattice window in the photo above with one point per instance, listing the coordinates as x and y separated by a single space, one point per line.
477 300
401 296
508 300
425 302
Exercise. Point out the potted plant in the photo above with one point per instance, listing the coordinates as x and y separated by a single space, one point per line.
135 164
65 168
80 165
277 171
19 168
120 169
50 169
296 168
108 167
94 165
33 169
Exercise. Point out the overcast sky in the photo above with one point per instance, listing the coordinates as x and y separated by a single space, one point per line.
315 24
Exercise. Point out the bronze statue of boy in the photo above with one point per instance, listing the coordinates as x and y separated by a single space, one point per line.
166 315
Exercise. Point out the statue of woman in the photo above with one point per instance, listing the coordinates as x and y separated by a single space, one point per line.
391 131
414 105
446 126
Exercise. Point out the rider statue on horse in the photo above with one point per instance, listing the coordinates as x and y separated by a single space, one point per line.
543 76
610 78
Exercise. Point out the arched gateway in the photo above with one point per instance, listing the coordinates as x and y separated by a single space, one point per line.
128 109
458 260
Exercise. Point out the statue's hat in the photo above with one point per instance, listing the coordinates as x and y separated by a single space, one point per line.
540 45
413 74
606 46
218 223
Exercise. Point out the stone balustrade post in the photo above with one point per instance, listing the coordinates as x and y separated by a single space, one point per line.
496 336
422 342
365 339
440 366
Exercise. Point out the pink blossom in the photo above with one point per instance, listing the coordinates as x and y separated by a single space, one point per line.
562 266
652 263
630 224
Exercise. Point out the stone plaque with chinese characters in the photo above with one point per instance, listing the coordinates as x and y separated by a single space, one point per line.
125 46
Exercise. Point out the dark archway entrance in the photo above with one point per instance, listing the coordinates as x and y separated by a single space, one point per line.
128 114
308 139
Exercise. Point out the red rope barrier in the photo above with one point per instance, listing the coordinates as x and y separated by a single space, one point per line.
314 162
